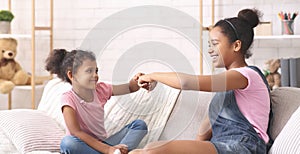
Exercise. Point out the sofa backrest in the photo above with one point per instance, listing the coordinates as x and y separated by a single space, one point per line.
190 109
188 113
285 101
191 106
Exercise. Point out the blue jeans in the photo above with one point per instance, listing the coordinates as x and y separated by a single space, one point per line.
131 135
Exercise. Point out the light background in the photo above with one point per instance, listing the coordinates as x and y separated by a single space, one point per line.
73 19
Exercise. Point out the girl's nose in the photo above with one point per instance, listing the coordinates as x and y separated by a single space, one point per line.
96 74
210 50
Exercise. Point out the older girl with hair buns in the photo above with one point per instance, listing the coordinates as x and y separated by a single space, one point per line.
238 117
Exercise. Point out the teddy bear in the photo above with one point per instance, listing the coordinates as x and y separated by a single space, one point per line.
11 72
271 72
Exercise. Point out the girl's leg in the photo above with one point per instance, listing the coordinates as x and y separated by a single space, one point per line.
131 135
178 147
73 145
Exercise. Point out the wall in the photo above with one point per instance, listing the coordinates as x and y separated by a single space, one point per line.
175 49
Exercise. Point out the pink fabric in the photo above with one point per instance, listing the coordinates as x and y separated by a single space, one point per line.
254 101
90 115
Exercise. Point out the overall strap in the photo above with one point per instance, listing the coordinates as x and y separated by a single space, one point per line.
262 76
271 113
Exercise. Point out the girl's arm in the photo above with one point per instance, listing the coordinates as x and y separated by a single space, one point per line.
73 126
227 80
127 88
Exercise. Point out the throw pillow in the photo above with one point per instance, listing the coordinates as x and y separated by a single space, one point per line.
284 104
31 130
288 141
51 99
153 107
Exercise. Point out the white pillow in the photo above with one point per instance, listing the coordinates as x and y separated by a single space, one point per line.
153 107
288 140
51 99
31 130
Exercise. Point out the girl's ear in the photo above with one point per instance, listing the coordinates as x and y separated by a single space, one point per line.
70 76
237 45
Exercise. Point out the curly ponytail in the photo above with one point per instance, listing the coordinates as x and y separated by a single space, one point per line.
60 61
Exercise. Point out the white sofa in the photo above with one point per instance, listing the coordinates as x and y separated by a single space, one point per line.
171 115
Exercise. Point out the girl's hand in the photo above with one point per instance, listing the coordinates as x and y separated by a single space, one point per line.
133 84
117 151
112 150
146 82
121 149
136 77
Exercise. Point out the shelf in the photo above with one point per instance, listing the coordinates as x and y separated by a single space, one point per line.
15 36
277 37
28 87
32 37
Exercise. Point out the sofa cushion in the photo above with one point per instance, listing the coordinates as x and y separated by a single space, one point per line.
31 130
6 146
190 110
288 140
153 107
51 99
285 101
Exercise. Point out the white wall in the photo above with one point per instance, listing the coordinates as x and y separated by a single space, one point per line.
74 19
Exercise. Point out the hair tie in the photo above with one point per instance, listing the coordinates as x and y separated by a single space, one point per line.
234 29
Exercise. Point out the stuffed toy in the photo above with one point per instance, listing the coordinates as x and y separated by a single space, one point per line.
11 72
271 72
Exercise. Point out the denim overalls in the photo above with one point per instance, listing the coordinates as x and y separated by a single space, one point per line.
232 132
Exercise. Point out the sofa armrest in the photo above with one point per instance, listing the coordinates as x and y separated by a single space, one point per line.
187 115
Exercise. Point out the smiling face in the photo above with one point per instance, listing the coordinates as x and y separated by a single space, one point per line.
86 76
222 52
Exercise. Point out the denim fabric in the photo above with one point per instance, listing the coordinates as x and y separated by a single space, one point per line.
232 132
131 135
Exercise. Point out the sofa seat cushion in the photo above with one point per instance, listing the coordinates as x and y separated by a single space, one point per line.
31 130
288 140
285 101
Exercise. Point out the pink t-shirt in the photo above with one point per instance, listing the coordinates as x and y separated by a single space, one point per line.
90 115
254 101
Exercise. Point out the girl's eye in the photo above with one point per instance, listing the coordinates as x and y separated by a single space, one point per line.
89 71
212 44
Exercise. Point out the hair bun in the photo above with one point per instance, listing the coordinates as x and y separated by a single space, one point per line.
251 16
